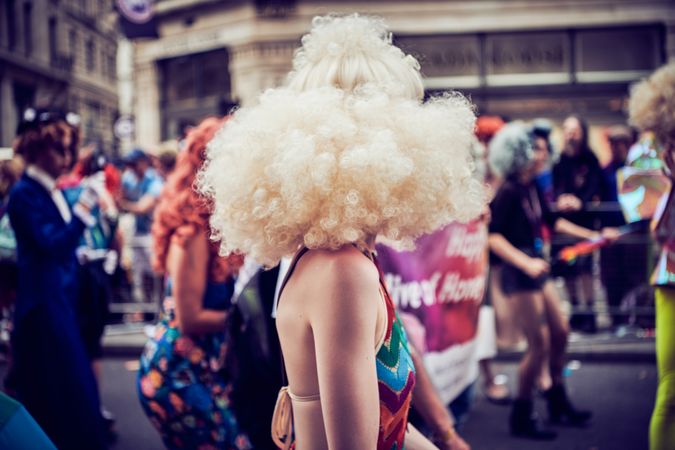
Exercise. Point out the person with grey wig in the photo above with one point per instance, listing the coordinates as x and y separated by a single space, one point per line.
519 212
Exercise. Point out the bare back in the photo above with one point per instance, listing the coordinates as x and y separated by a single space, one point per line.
330 319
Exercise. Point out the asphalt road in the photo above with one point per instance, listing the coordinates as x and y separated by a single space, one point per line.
620 394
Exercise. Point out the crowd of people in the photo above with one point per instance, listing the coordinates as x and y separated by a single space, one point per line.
302 185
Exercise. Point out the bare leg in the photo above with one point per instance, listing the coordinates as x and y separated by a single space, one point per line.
530 311
559 330
559 406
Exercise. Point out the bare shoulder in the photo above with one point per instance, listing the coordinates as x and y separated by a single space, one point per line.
344 267
338 279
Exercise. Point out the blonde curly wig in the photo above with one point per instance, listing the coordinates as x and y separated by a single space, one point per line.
345 152
652 104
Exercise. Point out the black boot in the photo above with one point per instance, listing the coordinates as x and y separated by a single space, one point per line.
525 423
590 323
561 410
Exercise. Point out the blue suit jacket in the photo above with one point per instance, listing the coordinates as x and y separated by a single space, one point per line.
45 250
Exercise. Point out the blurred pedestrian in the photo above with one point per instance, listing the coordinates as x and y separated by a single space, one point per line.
141 186
652 107
166 160
97 255
181 380
10 172
543 152
320 168
577 182
518 214
54 379
494 317
623 266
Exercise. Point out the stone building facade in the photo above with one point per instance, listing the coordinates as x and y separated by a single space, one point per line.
517 58
59 53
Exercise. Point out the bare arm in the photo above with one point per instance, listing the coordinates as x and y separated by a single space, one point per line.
566 227
143 206
435 414
532 267
506 251
188 267
414 440
343 317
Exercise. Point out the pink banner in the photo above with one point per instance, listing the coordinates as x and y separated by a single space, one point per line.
439 288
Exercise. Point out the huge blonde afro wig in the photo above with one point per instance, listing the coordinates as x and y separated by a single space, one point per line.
652 104
346 151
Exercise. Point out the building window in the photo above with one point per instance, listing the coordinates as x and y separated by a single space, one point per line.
10 17
103 61
53 30
28 28
91 55
112 67
72 44
74 105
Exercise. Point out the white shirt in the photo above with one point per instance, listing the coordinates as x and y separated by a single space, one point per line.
49 184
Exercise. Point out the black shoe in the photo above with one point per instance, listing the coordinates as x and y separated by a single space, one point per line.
561 410
577 322
525 423
590 324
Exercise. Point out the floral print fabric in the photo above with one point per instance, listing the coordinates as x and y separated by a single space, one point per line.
183 390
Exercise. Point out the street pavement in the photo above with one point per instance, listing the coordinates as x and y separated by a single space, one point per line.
621 396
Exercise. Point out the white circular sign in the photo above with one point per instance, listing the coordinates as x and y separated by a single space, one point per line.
124 127
136 11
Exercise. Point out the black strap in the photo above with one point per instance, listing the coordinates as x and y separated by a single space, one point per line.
291 268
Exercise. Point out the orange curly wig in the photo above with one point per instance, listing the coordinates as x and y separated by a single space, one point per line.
182 213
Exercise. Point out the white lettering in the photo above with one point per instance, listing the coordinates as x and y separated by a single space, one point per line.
415 294
468 245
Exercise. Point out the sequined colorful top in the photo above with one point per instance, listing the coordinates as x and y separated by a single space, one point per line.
395 378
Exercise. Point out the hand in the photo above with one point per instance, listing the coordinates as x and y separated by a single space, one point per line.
110 262
536 267
568 202
453 442
610 233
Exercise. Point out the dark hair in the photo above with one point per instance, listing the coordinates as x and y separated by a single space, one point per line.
583 145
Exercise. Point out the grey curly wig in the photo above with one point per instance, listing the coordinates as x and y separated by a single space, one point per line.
510 150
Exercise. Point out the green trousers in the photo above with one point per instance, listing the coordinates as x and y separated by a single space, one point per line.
662 427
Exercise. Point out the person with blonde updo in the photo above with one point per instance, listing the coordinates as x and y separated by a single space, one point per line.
652 108
345 153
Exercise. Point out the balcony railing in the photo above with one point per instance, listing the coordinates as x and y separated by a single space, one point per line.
61 62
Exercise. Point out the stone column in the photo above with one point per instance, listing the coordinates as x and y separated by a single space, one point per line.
257 66
8 113
147 95
670 41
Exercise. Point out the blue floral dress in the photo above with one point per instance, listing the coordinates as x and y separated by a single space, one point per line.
181 385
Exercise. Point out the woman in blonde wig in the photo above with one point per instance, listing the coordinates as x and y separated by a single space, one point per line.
344 154
652 108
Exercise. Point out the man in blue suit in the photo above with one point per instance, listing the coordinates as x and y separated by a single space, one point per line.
54 379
